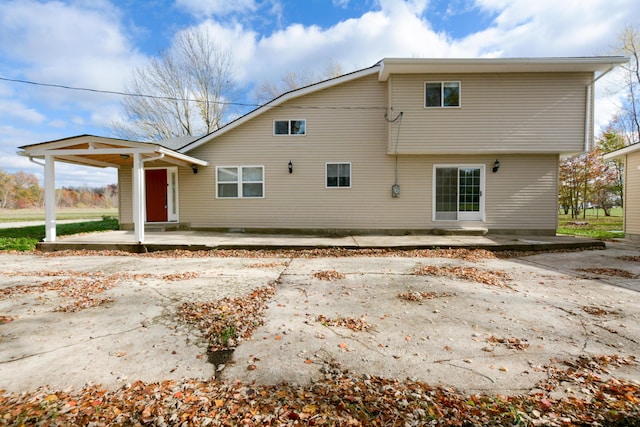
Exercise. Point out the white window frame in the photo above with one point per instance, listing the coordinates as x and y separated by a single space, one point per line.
289 124
240 182
442 83
326 175
462 216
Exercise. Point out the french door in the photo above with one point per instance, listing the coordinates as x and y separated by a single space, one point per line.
458 193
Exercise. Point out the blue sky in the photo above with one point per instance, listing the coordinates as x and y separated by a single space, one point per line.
96 44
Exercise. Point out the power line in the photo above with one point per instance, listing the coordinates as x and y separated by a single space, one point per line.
168 98
113 92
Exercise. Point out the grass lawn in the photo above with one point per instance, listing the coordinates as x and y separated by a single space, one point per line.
15 215
26 238
595 225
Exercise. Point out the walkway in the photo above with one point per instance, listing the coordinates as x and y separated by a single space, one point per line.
201 240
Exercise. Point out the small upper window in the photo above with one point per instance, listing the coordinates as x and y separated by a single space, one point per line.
442 94
290 127
338 175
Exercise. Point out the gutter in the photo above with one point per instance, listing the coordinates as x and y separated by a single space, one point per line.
587 122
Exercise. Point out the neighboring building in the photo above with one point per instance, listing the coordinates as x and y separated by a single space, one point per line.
631 157
408 145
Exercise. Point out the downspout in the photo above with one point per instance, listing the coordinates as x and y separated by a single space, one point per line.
588 109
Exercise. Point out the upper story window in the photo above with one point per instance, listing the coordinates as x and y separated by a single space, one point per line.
290 127
441 94
239 182
338 175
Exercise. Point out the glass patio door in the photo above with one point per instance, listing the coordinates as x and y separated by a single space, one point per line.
458 193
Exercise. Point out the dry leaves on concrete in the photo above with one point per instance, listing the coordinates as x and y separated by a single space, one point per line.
329 275
470 255
421 296
339 399
632 258
614 272
226 322
597 311
81 287
511 342
345 322
493 278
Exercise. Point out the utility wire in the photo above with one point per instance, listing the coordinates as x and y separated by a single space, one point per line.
168 98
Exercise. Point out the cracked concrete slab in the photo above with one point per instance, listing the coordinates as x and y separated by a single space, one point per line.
474 336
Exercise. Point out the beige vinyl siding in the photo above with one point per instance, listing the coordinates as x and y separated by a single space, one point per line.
341 133
506 112
632 196
125 195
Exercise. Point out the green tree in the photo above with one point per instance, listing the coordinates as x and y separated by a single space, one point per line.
612 140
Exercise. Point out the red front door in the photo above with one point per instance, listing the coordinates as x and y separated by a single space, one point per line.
156 189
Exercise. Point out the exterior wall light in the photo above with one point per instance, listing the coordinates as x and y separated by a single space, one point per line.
194 168
496 166
290 167
124 156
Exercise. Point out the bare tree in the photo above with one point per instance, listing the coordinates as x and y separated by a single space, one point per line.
627 122
190 88
294 80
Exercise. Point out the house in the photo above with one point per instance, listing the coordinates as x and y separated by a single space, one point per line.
630 155
404 146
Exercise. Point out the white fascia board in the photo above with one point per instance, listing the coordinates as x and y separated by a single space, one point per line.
182 157
82 139
279 101
497 65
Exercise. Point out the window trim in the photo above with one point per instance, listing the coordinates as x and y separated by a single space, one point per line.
239 183
442 83
289 121
326 175
483 178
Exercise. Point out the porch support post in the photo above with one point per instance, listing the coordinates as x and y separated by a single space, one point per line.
49 198
138 197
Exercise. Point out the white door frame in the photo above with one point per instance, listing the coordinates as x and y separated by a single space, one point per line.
461 216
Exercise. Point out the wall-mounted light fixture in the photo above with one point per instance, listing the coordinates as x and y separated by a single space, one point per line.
194 168
124 156
290 167
496 166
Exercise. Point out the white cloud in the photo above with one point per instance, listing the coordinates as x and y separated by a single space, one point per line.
17 110
551 27
209 8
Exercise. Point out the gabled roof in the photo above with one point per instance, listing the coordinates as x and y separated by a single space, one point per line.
100 151
622 151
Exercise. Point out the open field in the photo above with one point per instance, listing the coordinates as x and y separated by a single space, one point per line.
595 225
14 215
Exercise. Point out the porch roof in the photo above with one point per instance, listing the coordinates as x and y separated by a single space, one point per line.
99 151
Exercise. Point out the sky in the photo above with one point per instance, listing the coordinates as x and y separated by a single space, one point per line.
96 44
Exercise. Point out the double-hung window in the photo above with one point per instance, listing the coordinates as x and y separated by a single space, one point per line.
338 175
441 94
290 127
240 182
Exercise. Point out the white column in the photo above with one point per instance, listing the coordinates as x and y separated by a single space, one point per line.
138 197
49 198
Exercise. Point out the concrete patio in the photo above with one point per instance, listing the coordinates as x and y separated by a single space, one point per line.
204 240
